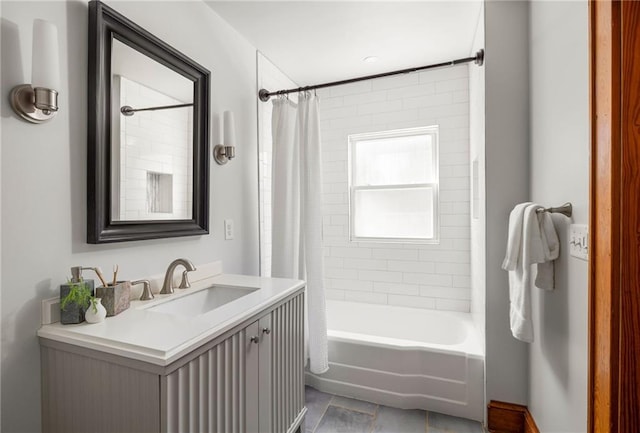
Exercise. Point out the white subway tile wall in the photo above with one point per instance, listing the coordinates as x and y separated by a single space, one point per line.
158 142
414 275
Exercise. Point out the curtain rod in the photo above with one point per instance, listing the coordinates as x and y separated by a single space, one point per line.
478 59
129 111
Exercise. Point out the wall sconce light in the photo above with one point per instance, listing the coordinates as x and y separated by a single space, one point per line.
38 102
222 153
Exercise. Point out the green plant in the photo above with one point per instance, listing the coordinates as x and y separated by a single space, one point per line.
94 302
79 294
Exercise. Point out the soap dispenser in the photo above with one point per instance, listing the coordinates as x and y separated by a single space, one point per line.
75 297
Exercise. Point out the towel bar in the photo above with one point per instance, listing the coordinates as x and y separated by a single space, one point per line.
566 209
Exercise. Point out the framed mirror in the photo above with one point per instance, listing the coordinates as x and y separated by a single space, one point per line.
148 135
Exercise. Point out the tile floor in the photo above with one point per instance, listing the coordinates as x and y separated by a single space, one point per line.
328 413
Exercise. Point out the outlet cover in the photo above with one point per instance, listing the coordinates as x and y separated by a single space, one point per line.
228 229
579 241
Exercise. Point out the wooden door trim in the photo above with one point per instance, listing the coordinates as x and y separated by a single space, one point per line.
604 215
629 300
614 280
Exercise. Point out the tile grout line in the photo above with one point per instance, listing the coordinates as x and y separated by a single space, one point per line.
352 409
323 414
374 421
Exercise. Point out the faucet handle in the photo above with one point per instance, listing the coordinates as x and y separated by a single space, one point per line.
184 283
146 290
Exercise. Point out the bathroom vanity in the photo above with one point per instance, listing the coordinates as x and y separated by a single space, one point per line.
226 355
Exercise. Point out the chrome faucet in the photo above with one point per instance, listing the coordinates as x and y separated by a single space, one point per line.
167 286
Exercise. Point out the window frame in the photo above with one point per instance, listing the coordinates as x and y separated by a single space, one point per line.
353 139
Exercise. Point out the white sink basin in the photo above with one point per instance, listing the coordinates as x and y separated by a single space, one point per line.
202 301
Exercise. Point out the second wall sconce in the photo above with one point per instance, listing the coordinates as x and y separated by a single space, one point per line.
38 102
226 151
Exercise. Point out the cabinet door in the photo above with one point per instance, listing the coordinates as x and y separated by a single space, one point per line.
265 376
215 391
252 384
282 367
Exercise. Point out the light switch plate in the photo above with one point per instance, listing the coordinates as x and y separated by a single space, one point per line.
579 241
228 229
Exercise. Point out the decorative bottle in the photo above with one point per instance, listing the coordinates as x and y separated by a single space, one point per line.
96 311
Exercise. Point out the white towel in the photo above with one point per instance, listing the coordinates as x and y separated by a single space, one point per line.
515 235
536 244
545 278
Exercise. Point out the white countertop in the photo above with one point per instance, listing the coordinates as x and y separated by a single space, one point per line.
161 338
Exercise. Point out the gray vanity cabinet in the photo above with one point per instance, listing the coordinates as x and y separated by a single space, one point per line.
250 379
250 382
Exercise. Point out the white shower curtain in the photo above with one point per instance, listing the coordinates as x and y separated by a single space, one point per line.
297 213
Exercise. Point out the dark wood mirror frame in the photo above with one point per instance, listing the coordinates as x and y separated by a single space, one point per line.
105 24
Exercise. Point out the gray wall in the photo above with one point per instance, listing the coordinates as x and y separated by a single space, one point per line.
537 148
559 50
43 177
507 183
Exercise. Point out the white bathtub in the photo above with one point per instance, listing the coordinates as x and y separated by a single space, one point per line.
404 357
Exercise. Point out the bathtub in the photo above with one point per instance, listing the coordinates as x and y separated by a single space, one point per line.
404 357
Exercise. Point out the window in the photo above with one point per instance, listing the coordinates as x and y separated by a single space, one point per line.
393 190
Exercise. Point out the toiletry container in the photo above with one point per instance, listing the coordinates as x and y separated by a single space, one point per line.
116 298
72 312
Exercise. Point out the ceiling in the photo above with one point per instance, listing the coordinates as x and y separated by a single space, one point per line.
320 41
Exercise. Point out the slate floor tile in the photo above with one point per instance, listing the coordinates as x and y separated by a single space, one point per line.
392 420
340 420
327 413
440 423
353 404
316 403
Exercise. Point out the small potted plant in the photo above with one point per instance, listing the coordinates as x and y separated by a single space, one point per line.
75 298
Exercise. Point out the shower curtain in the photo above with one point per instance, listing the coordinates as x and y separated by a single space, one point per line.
297 214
